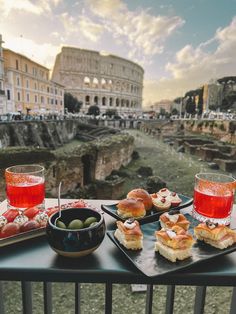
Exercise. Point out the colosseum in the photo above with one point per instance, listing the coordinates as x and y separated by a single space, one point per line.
100 79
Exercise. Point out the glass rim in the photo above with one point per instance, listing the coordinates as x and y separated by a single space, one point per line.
40 169
231 179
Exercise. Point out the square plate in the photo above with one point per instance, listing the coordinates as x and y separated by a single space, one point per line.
152 264
153 215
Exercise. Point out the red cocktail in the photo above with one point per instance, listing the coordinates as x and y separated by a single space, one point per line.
213 197
25 186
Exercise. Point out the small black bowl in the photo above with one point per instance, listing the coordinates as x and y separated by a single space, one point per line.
79 242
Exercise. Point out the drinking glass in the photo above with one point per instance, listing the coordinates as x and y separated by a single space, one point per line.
213 197
25 187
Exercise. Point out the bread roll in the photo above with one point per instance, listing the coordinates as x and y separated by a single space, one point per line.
141 194
131 207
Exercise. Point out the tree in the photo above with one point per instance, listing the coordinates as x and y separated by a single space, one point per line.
228 101
190 106
111 112
174 111
71 103
94 110
200 102
178 100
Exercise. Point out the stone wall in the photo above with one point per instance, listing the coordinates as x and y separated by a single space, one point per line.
225 131
82 165
50 134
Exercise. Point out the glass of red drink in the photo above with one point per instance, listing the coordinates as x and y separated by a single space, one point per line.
213 197
25 186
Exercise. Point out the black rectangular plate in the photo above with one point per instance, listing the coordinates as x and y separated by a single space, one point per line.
152 264
151 216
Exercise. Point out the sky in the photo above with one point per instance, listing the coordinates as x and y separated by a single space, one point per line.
181 44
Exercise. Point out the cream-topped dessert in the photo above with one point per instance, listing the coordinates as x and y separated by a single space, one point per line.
216 235
174 198
129 234
161 203
174 217
164 192
174 243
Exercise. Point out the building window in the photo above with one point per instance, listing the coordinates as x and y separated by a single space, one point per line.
52 102
18 96
61 102
17 65
55 101
55 91
26 68
47 89
35 98
27 83
8 95
35 85
42 100
27 97
18 81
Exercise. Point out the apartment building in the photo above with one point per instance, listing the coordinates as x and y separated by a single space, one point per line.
28 87
2 85
212 96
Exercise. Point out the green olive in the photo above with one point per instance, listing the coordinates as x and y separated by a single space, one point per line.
60 224
76 224
93 224
89 221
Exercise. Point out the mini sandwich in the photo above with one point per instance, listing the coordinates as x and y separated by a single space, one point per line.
131 207
174 243
143 195
129 234
173 217
216 235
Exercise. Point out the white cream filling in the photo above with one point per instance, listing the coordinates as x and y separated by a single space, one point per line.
173 218
171 233
129 225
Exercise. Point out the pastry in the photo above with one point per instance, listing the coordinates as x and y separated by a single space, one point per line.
161 203
164 192
129 234
131 207
216 235
174 199
173 217
141 194
174 243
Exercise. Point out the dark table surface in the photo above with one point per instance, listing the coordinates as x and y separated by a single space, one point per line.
34 260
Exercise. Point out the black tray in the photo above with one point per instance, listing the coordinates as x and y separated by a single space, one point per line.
152 264
151 216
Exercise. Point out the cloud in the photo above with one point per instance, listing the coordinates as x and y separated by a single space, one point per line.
143 32
89 29
26 5
194 67
37 7
42 53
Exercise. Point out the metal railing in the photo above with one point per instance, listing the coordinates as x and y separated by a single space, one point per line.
27 303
